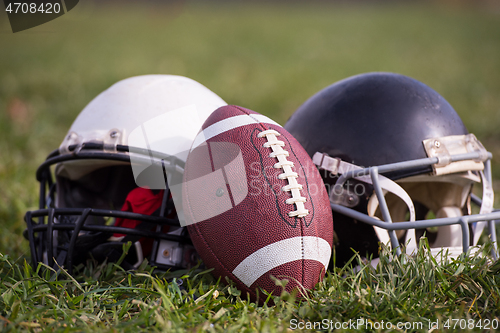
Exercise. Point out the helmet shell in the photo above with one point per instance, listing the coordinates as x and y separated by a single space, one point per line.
115 113
374 119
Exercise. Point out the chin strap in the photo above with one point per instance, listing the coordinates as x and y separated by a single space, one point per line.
337 166
171 254
486 207
176 254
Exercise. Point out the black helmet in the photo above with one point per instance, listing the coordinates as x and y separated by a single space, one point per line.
391 120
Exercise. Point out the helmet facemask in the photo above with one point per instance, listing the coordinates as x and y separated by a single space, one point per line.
443 194
80 233
433 198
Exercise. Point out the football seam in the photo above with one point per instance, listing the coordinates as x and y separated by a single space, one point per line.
250 115
227 272
303 256
285 219
306 182
198 232
288 174
308 192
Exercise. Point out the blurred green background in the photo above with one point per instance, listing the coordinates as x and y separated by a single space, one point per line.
269 57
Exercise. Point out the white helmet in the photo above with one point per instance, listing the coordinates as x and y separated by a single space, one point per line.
112 150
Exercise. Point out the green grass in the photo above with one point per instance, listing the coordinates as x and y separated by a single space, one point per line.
413 290
269 58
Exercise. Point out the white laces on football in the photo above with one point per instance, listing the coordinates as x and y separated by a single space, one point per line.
293 186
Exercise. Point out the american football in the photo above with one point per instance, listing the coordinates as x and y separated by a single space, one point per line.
263 211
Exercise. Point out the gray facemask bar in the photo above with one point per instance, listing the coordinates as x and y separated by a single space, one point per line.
387 224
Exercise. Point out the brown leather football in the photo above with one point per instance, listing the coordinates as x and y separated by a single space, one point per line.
255 204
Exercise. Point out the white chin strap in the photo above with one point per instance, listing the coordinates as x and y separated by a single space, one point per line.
486 207
337 166
449 238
